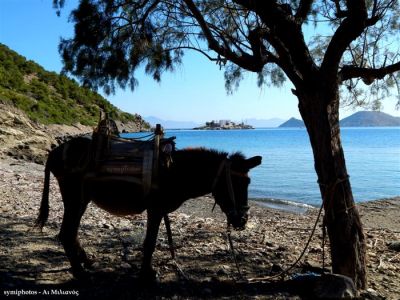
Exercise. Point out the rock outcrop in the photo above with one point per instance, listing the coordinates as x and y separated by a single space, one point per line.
24 139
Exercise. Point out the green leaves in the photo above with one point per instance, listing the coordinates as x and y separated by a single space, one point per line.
276 39
114 38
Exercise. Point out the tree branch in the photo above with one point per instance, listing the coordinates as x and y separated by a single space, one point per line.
285 35
152 6
245 60
350 29
209 57
303 10
283 60
339 12
368 75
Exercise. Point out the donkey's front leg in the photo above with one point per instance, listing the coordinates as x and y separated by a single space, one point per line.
153 224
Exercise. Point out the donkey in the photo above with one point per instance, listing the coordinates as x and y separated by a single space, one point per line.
193 173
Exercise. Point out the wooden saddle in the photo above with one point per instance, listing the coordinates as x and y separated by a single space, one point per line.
133 159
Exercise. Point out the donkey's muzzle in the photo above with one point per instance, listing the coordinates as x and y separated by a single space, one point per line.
238 220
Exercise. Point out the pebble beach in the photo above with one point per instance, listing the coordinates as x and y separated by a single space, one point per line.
204 268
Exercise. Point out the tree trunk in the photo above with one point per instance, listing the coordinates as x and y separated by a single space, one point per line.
320 112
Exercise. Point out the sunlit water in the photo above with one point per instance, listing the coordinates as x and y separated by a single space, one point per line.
287 171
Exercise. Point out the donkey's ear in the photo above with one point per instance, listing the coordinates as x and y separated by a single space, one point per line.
253 162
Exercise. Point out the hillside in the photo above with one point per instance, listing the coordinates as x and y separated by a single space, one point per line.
370 119
358 119
292 122
50 98
38 108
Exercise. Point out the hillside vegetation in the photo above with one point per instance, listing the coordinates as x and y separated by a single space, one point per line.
50 98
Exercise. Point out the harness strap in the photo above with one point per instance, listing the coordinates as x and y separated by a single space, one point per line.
230 185
147 173
216 179
220 169
226 163
239 174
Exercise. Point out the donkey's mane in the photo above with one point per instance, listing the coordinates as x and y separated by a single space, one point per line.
213 153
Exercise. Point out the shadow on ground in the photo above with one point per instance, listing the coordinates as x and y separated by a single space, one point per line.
34 262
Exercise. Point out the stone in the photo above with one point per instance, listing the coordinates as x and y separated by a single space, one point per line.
207 291
276 268
370 294
394 245
106 226
334 286
126 265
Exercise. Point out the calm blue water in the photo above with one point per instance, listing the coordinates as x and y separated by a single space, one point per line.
287 171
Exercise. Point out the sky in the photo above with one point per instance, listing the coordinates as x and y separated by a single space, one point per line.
194 92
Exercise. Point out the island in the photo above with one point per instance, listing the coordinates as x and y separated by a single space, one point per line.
292 122
223 125
370 119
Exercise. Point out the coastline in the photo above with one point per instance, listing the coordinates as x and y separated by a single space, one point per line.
272 241
284 205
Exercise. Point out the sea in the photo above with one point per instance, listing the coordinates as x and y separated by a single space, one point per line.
286 179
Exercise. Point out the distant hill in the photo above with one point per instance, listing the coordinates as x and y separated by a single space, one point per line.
358 119
263 123
370 119
50 98
170 124
292 122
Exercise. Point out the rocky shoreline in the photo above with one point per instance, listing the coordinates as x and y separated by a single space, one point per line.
23 139
34 261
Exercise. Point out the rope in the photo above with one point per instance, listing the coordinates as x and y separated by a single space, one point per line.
147 136
323 245
233 253
286 271
167 223
331 189
169 234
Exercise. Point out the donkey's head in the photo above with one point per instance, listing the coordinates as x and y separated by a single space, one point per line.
231 186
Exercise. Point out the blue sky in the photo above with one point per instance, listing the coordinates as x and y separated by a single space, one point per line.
194 92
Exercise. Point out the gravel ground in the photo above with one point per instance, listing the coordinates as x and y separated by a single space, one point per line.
34 263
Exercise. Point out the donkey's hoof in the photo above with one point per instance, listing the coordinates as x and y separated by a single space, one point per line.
88 263
81 275
148 276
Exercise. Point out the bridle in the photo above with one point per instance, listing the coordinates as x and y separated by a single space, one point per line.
226 164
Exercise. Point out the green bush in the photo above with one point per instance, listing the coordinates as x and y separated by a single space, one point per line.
49 98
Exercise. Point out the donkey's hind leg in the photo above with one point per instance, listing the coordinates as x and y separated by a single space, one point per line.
74 208
149 245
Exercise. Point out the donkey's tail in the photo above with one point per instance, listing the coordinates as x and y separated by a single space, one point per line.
44 205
